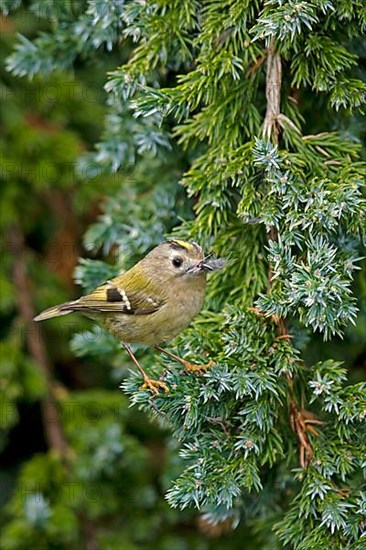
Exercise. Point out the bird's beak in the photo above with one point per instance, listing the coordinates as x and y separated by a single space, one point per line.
202 266
213 264
205 267
198 268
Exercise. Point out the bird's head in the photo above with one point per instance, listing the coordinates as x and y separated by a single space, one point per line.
178 259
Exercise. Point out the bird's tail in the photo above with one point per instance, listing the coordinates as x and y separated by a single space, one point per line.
55 311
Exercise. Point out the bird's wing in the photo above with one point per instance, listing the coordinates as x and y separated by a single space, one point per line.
120 296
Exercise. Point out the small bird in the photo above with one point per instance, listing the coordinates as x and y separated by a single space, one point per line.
151 303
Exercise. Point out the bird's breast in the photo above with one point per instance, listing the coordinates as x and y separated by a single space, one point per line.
162 325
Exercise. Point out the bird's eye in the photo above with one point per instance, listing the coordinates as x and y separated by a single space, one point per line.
177 262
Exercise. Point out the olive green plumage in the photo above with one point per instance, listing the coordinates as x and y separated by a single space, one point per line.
153 301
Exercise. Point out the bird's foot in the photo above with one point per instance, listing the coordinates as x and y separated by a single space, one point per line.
197 369
154 385
189 367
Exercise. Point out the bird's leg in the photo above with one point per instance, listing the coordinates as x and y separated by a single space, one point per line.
149 383
198 369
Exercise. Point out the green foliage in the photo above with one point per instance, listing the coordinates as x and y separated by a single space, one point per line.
108 470
318 212
272 436
78 32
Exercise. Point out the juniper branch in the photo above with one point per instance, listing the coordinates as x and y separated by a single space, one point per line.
271 132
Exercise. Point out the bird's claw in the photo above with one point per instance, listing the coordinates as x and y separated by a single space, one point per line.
154 386
198 369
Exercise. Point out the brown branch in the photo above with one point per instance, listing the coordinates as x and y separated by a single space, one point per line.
273 94
256 66
88 528
300 422
52 426
51 423
62 252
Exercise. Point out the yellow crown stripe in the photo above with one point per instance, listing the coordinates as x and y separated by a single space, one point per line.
183 244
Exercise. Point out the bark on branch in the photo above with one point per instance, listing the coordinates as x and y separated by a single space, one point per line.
52 425
35 344
299 421
273 94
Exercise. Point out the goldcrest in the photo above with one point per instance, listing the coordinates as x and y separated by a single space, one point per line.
152 302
